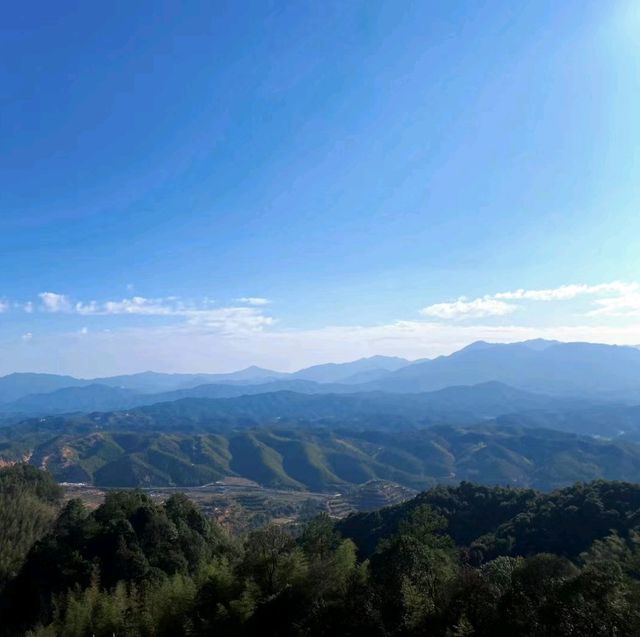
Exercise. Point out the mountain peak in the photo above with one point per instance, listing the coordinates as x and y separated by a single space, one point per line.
477 345
339 372
253 372
539 344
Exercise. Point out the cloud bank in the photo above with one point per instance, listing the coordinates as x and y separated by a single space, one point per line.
203 336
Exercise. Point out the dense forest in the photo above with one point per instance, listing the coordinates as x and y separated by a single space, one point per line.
463 560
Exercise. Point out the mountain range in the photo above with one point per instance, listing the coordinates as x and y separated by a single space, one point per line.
537 413
374 410
578 370
19 385
547 366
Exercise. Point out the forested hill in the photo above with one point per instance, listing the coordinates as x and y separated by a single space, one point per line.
455 561
494 521
295 457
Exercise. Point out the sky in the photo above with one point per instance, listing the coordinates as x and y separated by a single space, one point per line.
203 186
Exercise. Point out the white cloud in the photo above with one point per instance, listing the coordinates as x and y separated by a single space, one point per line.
53 302
133 305
169 306
253 300
27 337
226 320
198 336
4 306
567 292
620 299
625 305
223 319
463 308
230 320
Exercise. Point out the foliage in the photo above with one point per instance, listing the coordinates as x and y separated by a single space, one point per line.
135 567
29 500
492 521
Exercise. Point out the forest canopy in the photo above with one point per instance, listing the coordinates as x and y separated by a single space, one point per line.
465 560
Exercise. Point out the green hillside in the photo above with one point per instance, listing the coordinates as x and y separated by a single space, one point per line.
324 460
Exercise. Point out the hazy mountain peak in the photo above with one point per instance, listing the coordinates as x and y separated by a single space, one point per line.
536 344
252 372
15 385
379 358
540 344
475 346
338 372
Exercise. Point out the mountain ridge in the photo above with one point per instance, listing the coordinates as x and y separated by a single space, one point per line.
292 458
586 370
462 403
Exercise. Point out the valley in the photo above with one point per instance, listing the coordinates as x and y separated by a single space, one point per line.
241 505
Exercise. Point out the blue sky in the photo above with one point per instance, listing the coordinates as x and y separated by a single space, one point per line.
206 185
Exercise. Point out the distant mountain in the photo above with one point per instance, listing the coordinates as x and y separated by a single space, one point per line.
210 407
72 399
15 386
234 390
154 382
250 374
151 382
452 405
214 405
349 372
538 344
100 397
603 421
605 372
540 366
323 460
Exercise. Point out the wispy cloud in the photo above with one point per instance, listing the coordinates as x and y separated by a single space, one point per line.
464 308
164 306
4 306
133 305
235 319
619 299
231 320
625 305
253 300
568 292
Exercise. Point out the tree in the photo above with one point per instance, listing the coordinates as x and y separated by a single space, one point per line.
29 503
319 537
271 559
413 568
